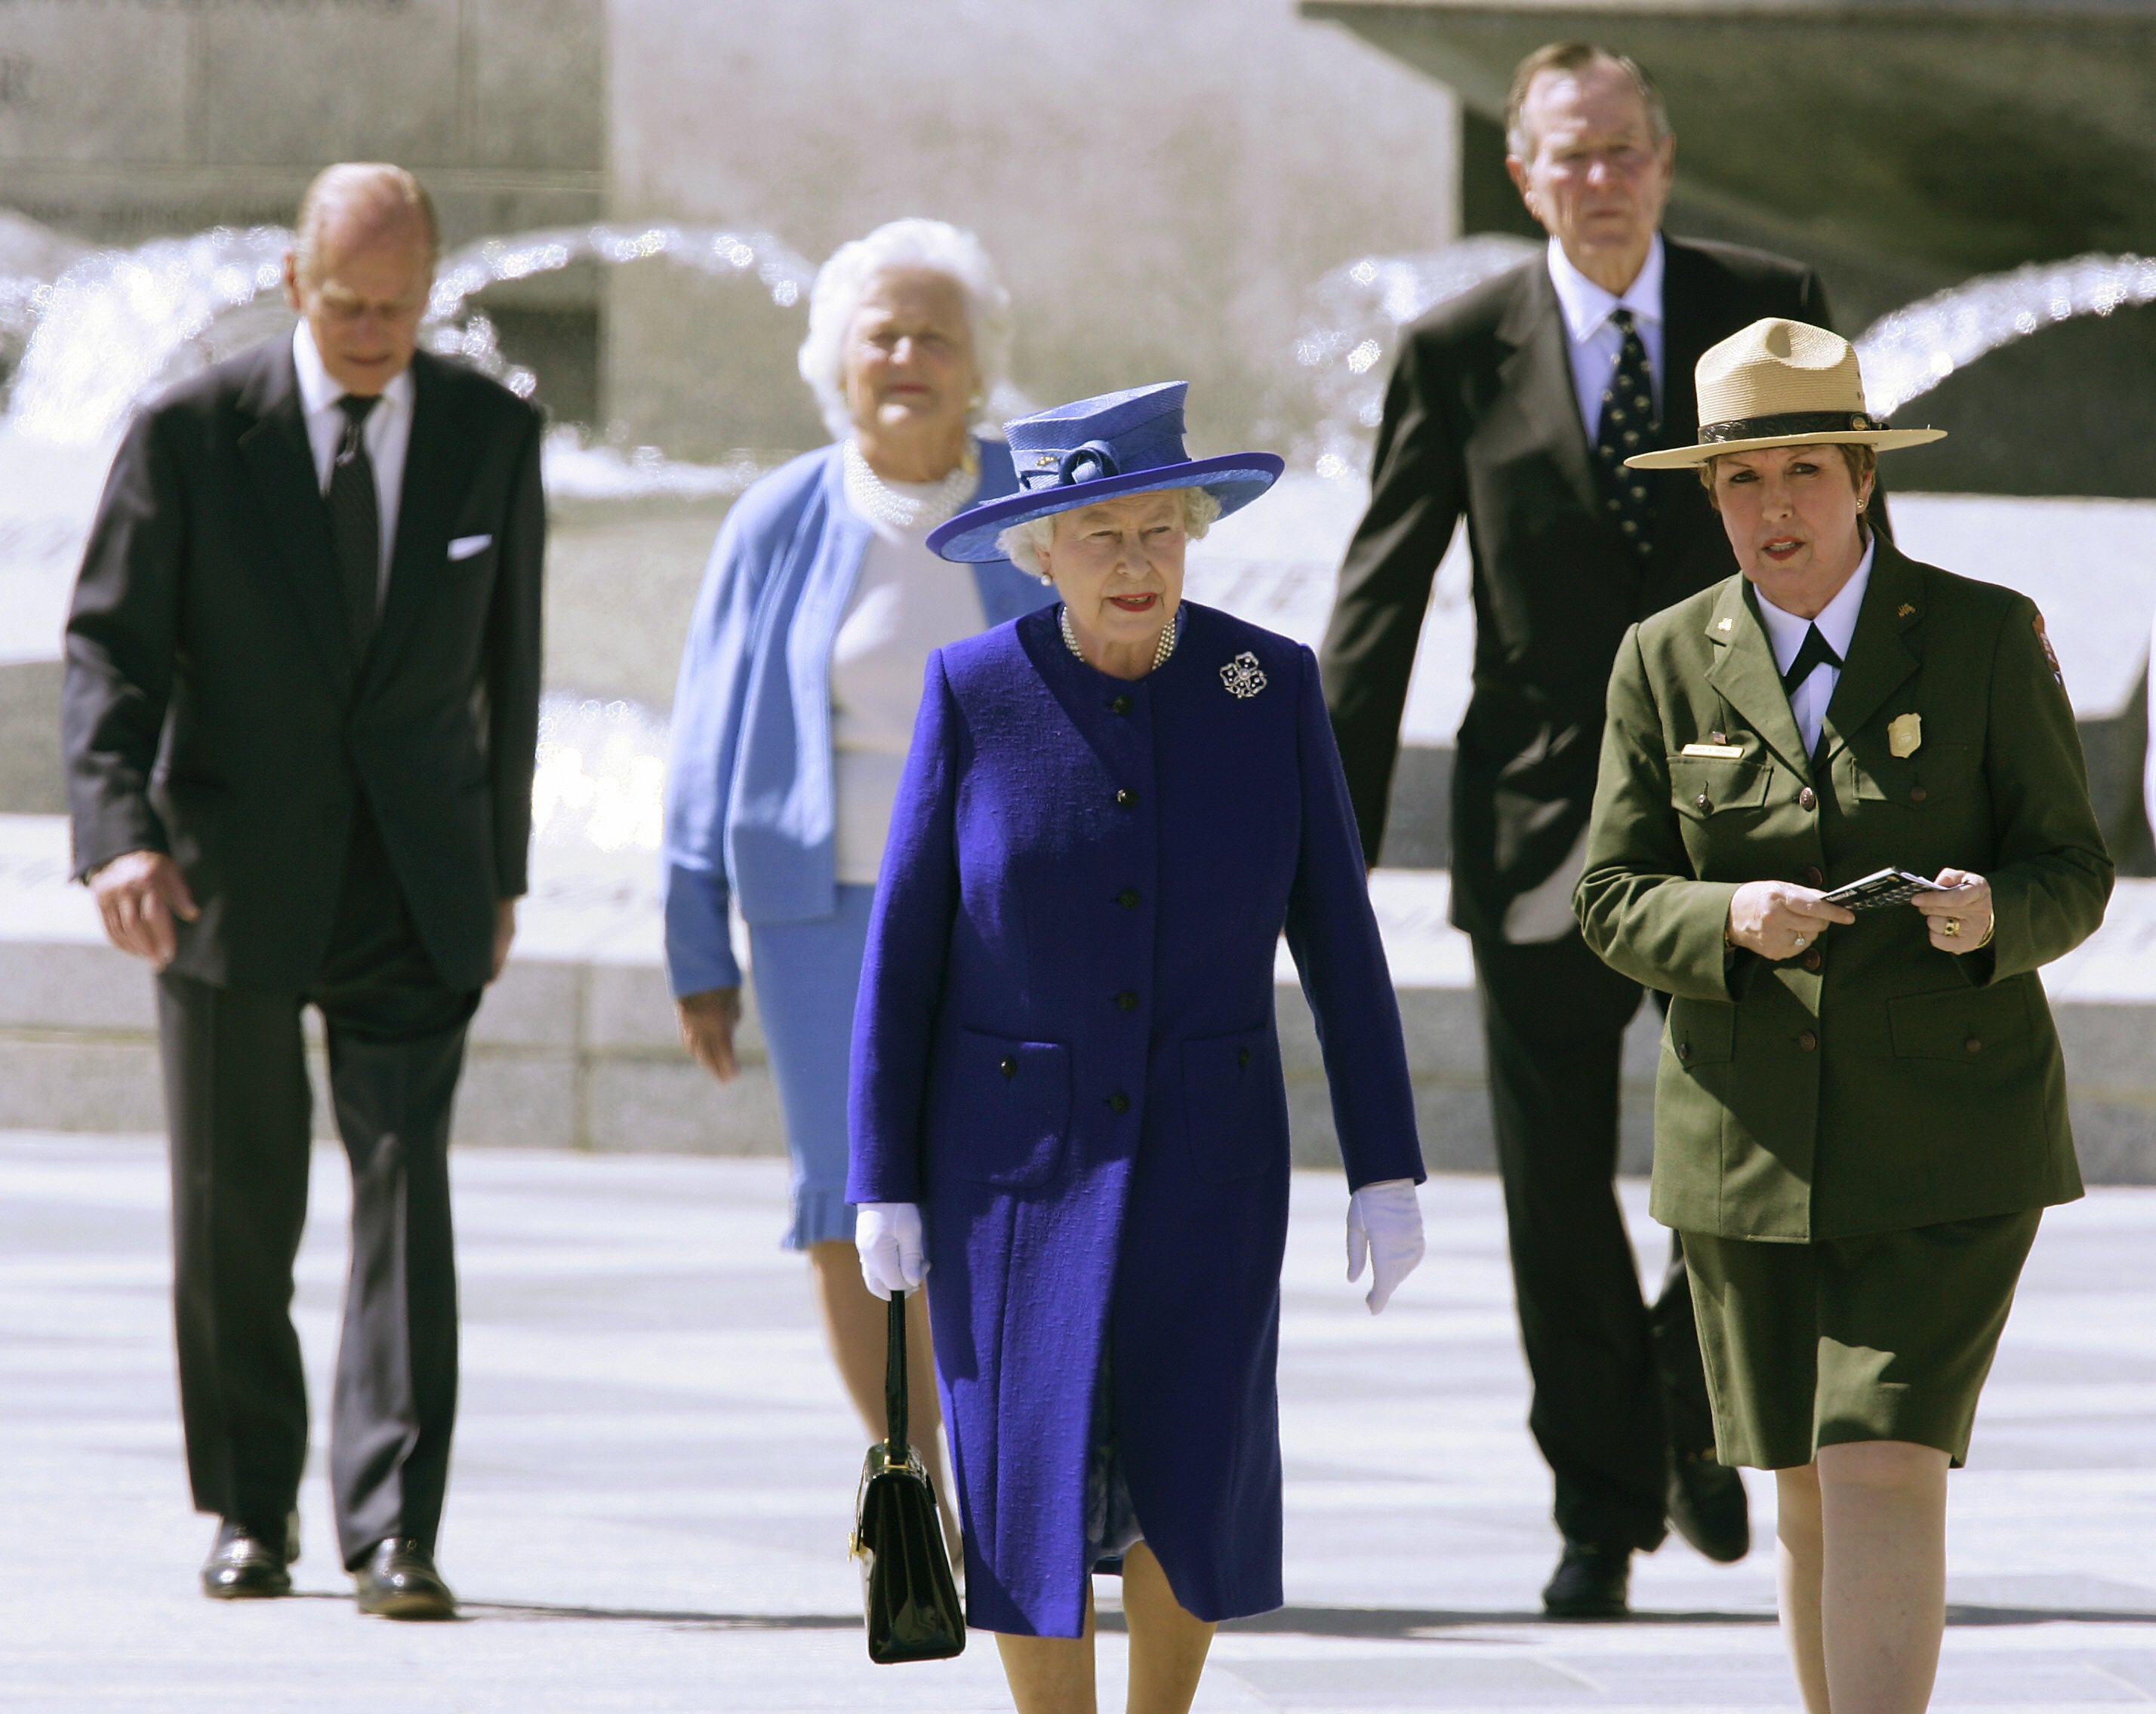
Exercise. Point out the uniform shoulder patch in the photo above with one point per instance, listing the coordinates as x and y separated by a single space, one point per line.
2044 642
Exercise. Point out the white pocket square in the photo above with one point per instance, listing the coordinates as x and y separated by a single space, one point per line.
464 547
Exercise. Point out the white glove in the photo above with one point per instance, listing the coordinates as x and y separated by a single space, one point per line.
1384 1227
893 1256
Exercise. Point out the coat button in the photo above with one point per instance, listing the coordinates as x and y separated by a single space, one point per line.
1684 1050
1812 959
1127 1000
1807 1040
1974 1044
1701 801
1119 1102
1007 1065
1122 704
1917 794
1807 799
1242 1056
1125 797
1814 875
1129 898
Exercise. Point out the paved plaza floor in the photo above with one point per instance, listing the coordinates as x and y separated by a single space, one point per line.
654 1478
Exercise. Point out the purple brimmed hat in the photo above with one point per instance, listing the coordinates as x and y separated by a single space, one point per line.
1121 443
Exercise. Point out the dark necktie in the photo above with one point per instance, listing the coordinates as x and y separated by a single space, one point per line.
1815 651
356 522
1628 427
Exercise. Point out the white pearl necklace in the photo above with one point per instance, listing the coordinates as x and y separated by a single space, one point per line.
909 514
1161 650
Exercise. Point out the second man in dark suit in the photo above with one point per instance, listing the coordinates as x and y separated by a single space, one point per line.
1515 406
300 710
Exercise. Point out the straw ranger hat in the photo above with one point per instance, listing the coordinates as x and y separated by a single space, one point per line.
1781 383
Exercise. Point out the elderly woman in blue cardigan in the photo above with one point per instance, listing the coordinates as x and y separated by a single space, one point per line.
1067 1105
797 696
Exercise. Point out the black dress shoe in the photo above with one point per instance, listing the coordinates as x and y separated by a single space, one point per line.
1591 1582
397 1580
248 1564
1706 1501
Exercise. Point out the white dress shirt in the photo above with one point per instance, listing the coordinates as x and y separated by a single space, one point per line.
388 433
906 602
1837 624
1593 341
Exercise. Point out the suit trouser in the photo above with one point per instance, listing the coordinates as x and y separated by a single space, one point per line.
239 1110
1615 1381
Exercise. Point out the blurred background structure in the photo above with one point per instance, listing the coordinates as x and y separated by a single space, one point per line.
1252 194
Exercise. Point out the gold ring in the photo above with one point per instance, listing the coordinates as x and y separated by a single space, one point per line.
1951 927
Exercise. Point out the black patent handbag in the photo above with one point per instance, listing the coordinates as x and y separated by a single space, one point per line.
906 1586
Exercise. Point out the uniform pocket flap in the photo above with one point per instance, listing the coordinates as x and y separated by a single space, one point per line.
1969 1025
1701 786
1701 1032
1935 770
1005 1108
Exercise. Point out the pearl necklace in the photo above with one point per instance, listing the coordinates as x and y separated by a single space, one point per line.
909 514
1161 651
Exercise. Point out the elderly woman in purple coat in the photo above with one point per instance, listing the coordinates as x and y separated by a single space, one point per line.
1067 1090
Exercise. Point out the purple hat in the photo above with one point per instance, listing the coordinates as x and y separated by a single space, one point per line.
1121 443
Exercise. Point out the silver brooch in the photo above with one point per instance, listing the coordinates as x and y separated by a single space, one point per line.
1243 676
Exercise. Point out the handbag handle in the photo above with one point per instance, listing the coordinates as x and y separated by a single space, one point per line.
894 1383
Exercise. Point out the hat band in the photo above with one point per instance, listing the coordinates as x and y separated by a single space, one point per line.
1790 422
1095 461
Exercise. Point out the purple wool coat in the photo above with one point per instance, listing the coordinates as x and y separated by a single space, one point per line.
1065 1051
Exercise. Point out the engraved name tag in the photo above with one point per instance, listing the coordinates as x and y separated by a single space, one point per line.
1720 752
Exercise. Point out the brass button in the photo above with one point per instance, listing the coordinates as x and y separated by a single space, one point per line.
1007 1065
1242 1056
1684 1050
1125 797
1119 1102
1127 1000
1122 704
1701 801
1807 1040
1917 794
1129 898
1807 799
1813 876
1812 959
1974 1044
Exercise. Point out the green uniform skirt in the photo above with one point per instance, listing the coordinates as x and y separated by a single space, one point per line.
1887 1337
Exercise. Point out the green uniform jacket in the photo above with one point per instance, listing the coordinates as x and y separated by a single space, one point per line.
1872 1085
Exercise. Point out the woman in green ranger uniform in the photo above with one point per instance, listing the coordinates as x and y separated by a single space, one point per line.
1859 1117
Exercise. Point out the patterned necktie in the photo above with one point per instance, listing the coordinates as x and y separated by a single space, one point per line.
1628 427
1812 653
356 522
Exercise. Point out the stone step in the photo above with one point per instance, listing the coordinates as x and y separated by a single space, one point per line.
575 1047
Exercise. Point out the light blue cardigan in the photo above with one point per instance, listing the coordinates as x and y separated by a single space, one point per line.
748 790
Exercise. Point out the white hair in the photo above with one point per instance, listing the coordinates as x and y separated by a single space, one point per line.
1022 542
935 246
374 189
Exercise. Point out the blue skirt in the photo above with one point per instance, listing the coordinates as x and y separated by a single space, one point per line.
806 976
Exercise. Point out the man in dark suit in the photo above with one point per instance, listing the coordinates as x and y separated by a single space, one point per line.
300 710
1515 405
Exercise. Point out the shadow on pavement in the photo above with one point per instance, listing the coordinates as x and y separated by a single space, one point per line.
1383 1624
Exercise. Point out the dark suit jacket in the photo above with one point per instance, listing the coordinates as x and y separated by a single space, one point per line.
212 708
1481 417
